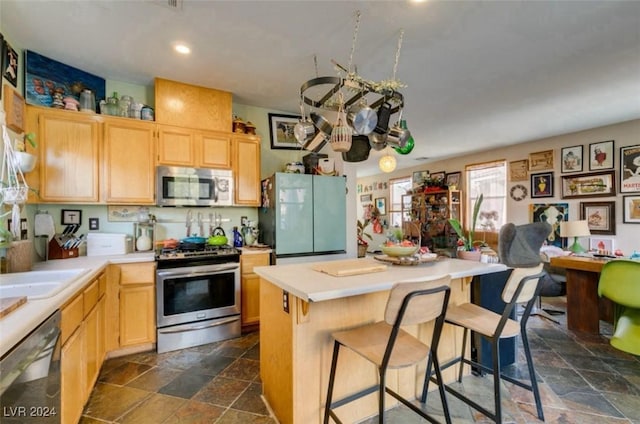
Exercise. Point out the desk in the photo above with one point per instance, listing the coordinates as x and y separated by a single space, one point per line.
584 308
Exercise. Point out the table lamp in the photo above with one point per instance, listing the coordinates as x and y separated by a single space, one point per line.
575 229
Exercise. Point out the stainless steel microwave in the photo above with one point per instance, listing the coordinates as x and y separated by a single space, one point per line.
177 186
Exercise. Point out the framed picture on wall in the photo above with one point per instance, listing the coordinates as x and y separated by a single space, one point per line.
601 155
419 177
366 198
588 185
281 131
10 64
519 170
542 184
381 205
631 209
600 216
539 161
630 169
554 214
571 159
454 179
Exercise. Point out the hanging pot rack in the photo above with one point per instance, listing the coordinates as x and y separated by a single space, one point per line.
361 89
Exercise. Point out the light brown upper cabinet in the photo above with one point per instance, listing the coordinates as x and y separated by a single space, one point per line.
69 151
128 162
176 146
213 149
246 169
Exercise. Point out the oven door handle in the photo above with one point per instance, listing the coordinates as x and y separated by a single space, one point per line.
197 273
201 327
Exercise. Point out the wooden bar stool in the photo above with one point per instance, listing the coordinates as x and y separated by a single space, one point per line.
519 247
388 346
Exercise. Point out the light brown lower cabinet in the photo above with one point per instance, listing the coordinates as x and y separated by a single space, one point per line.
250 286
137 304
82 353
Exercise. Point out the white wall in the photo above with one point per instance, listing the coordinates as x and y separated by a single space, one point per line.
627 133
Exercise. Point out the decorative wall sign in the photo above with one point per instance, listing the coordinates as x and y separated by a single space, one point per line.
554 214
45 77
122 213
539 161
631 209
601 155
588 185
366 198
71 217
10 64
281 131
14 109
571 159
600 216
519 170
542 185
630 169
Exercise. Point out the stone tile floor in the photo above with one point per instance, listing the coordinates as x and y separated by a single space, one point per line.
582 379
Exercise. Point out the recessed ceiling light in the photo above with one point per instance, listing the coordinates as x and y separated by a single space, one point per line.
182 49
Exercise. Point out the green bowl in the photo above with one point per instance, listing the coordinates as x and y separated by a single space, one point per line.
398 251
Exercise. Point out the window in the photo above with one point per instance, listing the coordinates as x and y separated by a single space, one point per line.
397 188
490 180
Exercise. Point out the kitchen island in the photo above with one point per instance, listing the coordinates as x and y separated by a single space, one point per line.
300 308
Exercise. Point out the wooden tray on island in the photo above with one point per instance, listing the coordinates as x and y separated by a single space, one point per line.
407 260
348 267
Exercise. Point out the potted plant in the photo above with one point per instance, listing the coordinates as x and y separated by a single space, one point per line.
25 161
466 243
362 243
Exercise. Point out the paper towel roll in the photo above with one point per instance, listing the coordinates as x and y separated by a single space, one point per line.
44 226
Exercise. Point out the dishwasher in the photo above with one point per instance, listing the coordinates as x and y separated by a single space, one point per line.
30 377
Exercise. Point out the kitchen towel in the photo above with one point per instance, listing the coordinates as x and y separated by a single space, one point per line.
44 226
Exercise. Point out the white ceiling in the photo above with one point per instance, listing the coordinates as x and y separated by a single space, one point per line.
479 74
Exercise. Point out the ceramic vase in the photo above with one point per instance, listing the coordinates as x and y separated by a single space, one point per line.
469 256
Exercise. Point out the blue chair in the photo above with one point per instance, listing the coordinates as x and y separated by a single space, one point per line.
620 282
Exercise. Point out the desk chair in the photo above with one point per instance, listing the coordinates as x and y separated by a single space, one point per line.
389 347
518 248
620 282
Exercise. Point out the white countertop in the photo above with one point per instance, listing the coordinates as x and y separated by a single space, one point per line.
17 324
314 286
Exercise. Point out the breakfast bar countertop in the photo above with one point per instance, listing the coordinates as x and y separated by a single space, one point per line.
302 281
20 322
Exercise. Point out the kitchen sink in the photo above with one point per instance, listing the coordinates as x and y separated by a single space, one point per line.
37 284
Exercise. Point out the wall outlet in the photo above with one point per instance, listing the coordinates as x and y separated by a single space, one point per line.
94 223
285 301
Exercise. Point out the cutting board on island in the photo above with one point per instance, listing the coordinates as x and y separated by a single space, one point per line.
348 267
10 304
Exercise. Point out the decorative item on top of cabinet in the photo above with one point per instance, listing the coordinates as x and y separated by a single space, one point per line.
200 107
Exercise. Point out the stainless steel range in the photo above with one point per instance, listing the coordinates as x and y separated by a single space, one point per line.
198 295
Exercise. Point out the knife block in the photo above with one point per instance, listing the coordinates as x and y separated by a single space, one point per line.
57 252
